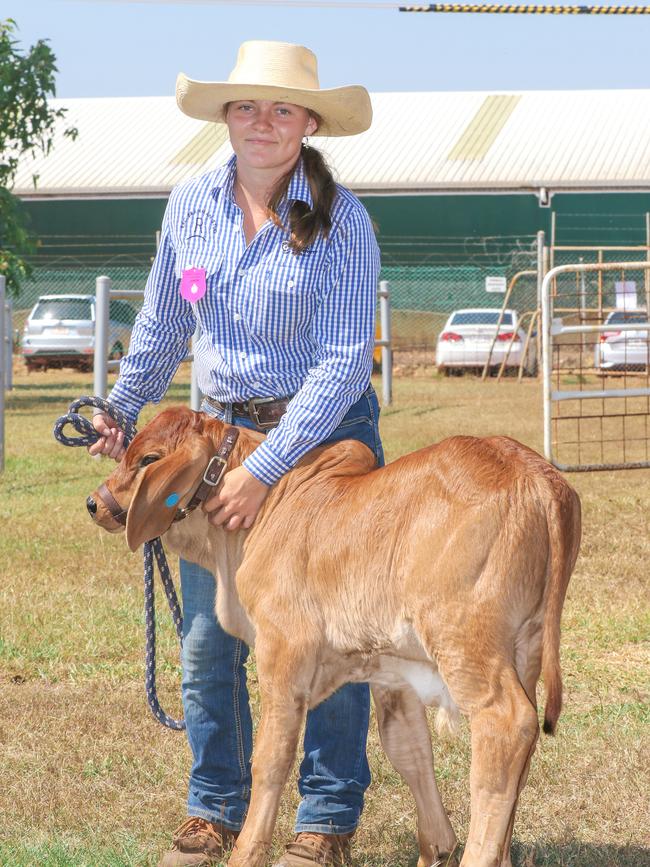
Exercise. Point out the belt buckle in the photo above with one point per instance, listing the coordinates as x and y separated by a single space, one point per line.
253 414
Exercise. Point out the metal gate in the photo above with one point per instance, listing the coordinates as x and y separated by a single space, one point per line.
596 366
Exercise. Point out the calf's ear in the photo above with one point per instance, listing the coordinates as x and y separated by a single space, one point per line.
165 486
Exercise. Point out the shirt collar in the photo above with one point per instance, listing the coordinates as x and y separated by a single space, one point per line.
224 179
298 189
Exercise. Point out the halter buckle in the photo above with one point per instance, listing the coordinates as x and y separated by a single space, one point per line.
212 476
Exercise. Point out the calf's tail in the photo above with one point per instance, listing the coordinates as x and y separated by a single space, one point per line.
564 527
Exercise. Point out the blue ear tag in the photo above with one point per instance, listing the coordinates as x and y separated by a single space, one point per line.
171 500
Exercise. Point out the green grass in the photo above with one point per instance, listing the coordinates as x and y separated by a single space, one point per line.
89 777
63 853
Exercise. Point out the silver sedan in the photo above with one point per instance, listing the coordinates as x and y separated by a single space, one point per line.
623 350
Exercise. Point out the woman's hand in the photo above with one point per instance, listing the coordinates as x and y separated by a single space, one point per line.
238 500
111 441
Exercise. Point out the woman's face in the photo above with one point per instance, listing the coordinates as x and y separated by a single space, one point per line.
268 135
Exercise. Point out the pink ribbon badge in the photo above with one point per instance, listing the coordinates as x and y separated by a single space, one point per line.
193 284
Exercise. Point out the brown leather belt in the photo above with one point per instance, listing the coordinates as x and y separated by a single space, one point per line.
264 412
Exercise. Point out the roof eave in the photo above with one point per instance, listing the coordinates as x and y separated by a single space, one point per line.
74 194
499 190
361 189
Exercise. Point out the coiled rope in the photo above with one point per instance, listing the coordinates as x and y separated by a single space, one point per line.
154 549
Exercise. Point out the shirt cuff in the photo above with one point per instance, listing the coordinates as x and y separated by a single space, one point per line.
266 466
125 400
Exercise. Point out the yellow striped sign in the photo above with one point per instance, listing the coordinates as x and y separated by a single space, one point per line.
528 9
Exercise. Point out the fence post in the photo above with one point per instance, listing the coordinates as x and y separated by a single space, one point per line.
3 360
541 270
9 344
646 275
386 346
102 295
195 393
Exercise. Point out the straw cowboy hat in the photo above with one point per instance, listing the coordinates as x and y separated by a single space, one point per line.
283 73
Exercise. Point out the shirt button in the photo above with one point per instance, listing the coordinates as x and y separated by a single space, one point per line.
242 355
237 317
242 272
290 284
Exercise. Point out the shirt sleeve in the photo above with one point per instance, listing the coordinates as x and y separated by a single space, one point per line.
343 331
160 336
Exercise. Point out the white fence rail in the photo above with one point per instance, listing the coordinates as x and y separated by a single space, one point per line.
9 345
3 365
385 341
6 360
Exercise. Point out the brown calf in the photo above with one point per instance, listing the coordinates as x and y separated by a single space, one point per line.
439 579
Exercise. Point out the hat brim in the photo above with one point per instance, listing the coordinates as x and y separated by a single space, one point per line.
343 110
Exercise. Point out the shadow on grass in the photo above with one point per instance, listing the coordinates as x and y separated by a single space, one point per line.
32 396
43 485
27 398
572 853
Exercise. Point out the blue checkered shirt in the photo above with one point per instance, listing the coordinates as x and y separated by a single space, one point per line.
272 323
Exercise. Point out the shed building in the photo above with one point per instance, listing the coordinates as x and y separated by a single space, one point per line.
448 178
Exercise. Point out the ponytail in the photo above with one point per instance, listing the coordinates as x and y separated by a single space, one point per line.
305 223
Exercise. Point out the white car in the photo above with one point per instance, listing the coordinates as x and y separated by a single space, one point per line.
60 331
623 350
468 335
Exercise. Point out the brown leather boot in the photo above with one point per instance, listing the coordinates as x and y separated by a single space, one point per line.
309 848
198 843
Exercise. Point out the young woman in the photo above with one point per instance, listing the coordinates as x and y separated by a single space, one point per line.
278 265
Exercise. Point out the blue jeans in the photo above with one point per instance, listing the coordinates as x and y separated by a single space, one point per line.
334 772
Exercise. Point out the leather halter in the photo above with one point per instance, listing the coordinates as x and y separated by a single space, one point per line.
213 474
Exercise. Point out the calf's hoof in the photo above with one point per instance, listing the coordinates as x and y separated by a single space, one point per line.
446 859
253 856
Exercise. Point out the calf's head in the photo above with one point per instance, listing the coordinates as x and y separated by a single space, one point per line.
158 475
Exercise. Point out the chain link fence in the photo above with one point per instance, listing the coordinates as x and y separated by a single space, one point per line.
454 274
428 279
440 276
596 292
423 297
451 275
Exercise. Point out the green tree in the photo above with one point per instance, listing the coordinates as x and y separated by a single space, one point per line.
27 126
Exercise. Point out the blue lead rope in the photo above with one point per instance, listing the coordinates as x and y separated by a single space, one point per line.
84 427
150 549
87 436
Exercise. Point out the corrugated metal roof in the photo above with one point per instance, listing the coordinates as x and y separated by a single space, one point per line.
419 142
484 128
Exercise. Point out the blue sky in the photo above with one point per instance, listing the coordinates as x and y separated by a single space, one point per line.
113 48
